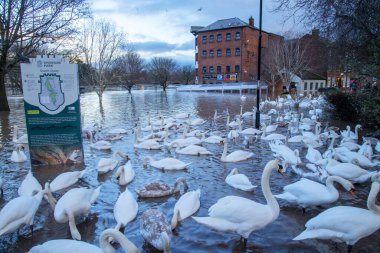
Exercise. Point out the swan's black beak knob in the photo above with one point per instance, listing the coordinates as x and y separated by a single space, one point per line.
352 191
280 170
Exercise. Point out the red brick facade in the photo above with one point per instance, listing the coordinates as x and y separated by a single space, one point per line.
237 57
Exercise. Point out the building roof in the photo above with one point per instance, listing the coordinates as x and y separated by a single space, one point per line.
224 24
307 75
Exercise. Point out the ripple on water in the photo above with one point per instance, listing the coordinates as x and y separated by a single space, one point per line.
205 172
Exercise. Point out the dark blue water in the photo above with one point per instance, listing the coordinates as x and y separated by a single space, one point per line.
120 109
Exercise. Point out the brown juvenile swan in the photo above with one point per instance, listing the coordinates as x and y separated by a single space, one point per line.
161 189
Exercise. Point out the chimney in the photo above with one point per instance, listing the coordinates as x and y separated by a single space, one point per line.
315 32
251 21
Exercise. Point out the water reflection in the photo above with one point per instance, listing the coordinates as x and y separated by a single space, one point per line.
120 109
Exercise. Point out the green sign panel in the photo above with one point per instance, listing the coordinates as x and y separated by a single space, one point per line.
52 110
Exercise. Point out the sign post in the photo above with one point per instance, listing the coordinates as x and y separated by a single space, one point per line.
52 110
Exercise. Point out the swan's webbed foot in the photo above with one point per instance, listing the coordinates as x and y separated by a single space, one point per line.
349 248
303 210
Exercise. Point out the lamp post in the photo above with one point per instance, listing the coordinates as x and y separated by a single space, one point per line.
259 69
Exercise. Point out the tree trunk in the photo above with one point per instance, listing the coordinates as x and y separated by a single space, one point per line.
164 87
129 89
4 106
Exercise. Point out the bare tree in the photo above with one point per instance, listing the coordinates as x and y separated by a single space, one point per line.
185 74
128 69
101 43
352 27
162 70
290 59
26 25
270 67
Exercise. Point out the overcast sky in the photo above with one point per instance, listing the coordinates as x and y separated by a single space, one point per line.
162 27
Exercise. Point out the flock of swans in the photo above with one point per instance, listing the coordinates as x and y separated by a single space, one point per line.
332 156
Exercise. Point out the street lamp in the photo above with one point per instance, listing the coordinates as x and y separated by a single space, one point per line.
259 69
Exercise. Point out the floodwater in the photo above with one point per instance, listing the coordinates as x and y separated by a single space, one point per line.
119 109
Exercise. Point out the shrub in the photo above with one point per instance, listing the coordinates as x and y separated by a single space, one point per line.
361 107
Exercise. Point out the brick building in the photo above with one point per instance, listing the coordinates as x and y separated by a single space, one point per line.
226 51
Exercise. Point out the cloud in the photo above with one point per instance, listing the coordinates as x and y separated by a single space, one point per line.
162 27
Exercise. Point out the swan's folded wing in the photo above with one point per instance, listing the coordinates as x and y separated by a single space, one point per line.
15 209
320 234
237 209
240 181
306 188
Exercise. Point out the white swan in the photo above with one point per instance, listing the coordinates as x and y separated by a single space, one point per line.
146 144
235 156
239 181
18 155
117 130
366 149
243 215
233 134
346 223
306 192
156 230
29 186
345 155
125 173
99 145
125 209
348 171
167 163
66 179
289 156
213 139
182 115
270 128
192 150
272 137
296 138
65 245
251 131
348 134
196 122
107 164
313 155
73 203
186 206
183 142
23 139
21 210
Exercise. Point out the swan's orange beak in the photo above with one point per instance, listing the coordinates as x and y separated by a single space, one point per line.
352 191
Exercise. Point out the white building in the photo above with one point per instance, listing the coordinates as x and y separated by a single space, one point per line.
308 82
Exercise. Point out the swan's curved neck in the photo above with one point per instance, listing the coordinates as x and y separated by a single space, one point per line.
371 202
330 184
148 158
239 121
228 121
224 154
356 130
271 200
332 143
177 185
264 132
15 133
126 244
